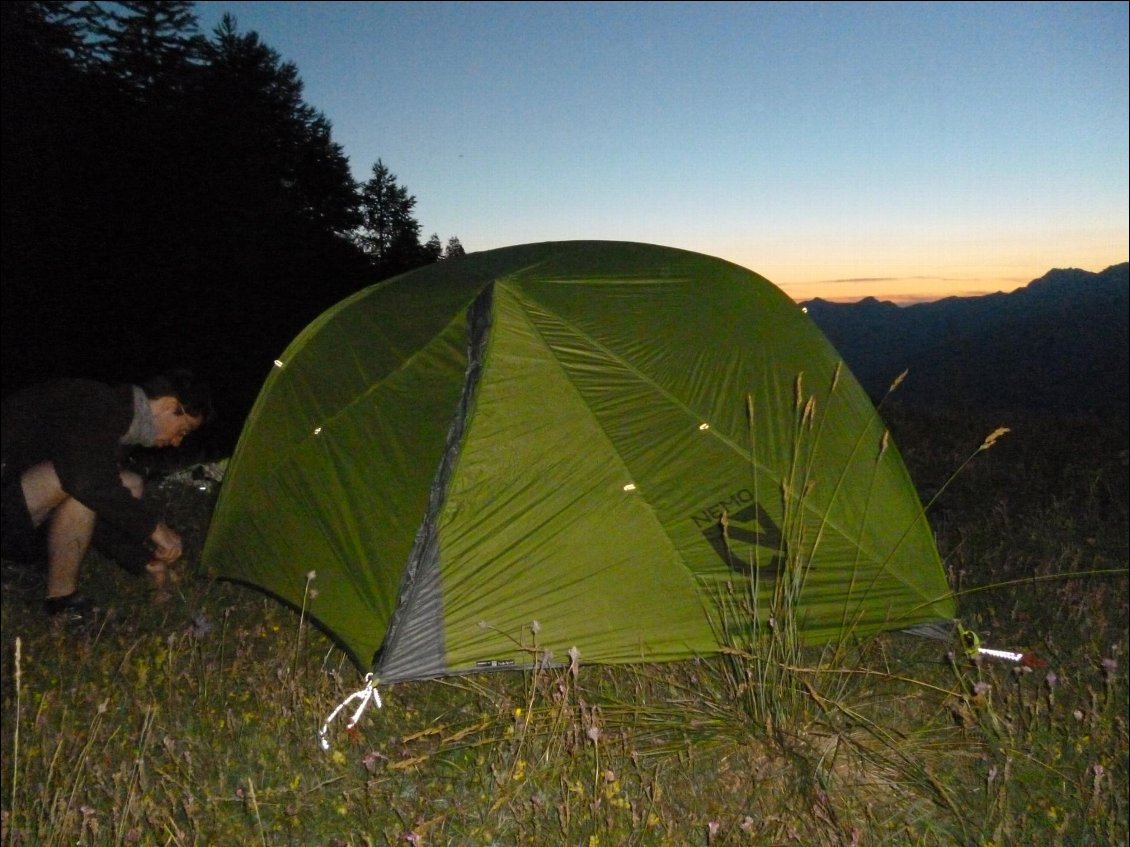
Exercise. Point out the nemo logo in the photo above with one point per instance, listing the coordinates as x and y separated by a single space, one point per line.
742 534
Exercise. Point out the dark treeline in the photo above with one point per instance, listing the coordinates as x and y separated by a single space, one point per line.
169 198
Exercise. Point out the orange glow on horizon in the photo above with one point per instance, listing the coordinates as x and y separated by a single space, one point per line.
903 292
921 288
913 272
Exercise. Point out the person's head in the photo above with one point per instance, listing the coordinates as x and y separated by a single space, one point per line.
181 404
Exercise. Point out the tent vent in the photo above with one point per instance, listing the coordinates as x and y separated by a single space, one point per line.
414 643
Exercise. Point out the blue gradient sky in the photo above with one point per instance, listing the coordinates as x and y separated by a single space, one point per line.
903 151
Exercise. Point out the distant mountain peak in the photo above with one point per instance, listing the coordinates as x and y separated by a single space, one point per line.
1065 279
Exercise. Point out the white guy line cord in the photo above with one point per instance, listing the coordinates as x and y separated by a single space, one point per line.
365 695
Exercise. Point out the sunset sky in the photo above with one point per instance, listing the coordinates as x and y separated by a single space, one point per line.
842 150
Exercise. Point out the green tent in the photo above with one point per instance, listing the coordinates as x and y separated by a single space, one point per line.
600 437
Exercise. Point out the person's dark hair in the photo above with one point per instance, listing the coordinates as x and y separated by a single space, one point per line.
192 393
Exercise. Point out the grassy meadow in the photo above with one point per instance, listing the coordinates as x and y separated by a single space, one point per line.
195 721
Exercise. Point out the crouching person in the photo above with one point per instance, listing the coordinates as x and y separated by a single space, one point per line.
63 444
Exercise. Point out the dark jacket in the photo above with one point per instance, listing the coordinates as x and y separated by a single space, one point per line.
77 425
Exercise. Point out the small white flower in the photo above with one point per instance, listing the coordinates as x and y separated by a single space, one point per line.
574 660
200 626
311 576
535 627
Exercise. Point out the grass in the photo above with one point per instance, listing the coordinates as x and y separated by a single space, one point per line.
195 721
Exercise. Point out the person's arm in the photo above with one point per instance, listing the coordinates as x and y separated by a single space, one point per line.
86 455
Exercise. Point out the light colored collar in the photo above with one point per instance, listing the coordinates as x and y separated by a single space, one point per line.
143 428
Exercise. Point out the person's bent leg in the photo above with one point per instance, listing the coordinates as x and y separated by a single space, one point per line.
70 527
42 491
68 538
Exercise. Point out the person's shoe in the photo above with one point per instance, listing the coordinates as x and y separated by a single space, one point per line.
72 608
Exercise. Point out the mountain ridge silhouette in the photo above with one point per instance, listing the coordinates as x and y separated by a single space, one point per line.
1057 346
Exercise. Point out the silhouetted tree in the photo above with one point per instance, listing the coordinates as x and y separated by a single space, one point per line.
50 113
454 248
169 197
148 47
433 248
166 199
270 147
389 232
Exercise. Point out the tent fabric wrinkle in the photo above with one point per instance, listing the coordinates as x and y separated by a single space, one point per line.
604 437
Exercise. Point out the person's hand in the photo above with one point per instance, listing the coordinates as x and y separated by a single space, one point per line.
167 546
167 549
161 577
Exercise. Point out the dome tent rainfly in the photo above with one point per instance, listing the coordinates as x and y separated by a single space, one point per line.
601 437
